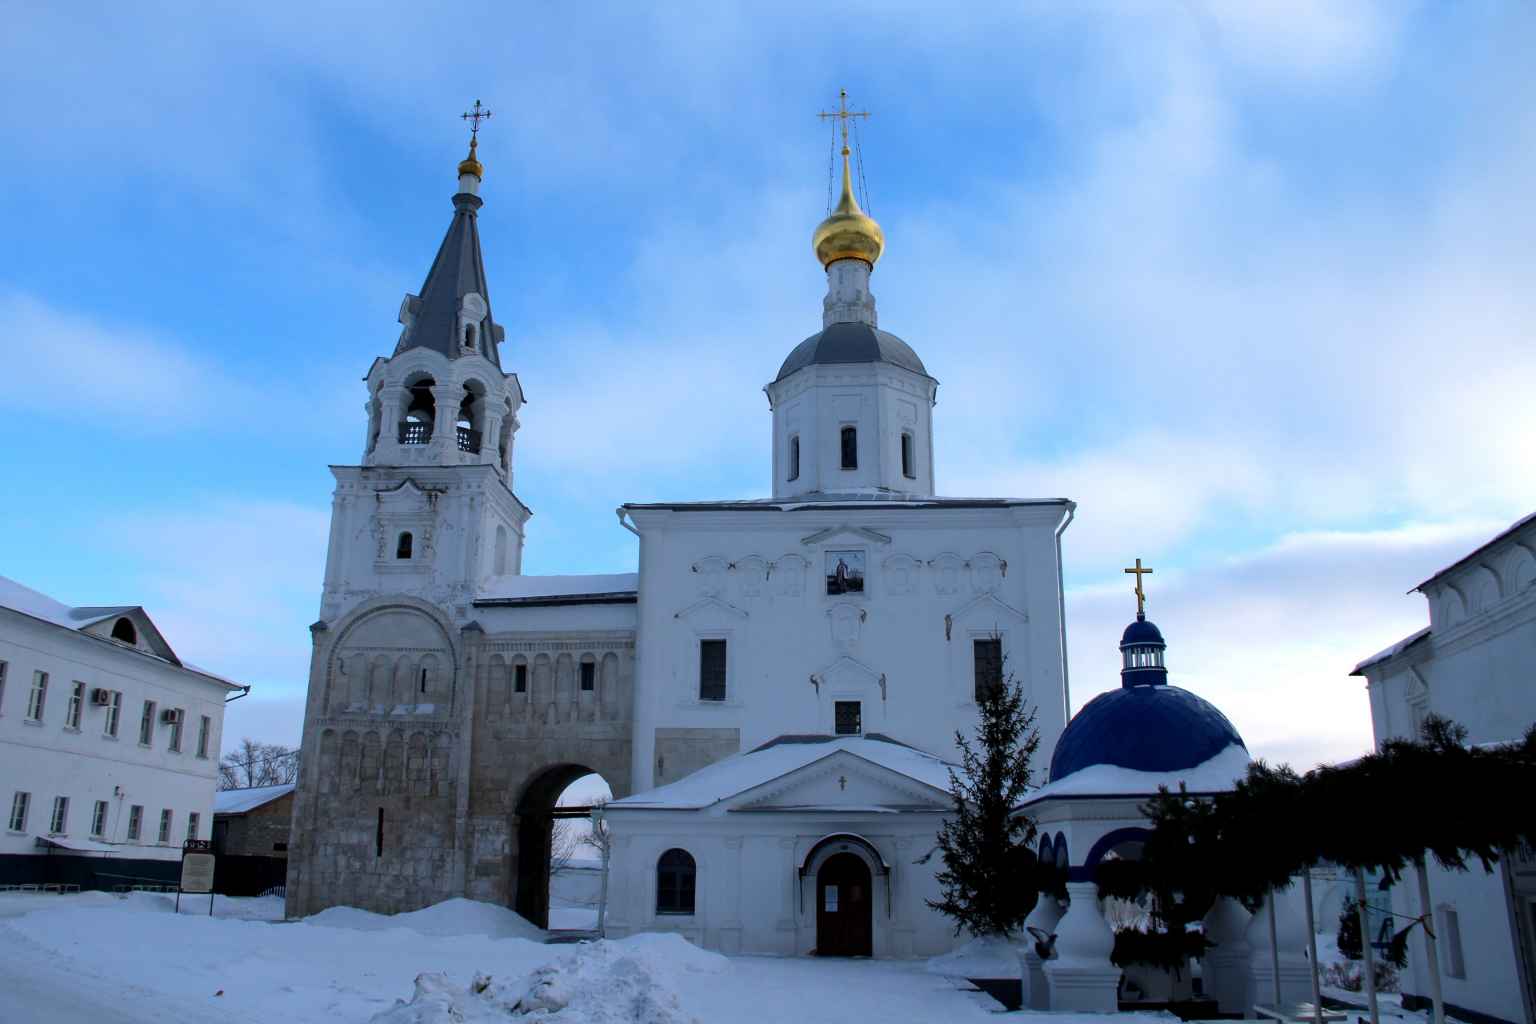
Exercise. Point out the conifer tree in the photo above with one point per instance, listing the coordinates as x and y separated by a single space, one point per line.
989 880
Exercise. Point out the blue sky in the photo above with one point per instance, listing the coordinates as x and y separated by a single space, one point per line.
1250 282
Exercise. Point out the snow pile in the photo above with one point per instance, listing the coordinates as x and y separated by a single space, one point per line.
990 956
447 919
631 981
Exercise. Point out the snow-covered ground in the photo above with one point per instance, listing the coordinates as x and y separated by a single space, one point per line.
92 958
114 960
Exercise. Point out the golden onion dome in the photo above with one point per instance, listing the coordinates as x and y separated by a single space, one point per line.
469 165
848 232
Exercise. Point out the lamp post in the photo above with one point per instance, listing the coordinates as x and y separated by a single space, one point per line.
598 827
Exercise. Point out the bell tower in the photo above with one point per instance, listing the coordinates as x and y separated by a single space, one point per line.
430 511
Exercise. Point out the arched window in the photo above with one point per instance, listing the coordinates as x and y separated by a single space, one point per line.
850 448
420 411
123 630
467 422
469 335
403 546
794 457
675 877
908 459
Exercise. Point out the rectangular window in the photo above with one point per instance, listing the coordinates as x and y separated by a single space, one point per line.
99 819
19 804
588 675
1451 958
135 822
3 667
60 819
850 439
848 717
711 670
794 457
147 725
76 705
38 696
908 463
192 822
988 655
165 825
519 678
176 730
204 726
114 713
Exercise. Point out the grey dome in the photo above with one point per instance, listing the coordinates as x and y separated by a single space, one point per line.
851 343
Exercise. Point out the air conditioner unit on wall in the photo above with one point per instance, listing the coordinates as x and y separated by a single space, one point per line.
101 697
170 716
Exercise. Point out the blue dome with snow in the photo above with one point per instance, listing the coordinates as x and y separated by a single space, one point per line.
1144 728
1146 725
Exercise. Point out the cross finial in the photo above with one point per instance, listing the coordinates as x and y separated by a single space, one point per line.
1141 595
474 117
842 113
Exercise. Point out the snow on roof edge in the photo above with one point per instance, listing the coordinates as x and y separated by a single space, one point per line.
1390 652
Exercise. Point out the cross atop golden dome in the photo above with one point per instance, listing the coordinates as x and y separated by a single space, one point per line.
848 232
471 165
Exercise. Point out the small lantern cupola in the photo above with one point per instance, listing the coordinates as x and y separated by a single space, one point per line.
1142 645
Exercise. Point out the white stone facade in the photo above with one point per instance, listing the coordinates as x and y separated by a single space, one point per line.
1473 665
73 702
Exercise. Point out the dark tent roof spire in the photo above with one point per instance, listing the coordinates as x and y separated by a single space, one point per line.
452 314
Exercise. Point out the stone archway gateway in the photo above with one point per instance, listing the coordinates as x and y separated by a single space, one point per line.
844 907
535 822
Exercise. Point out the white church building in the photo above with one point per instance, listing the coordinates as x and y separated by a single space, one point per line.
1471 664
773 697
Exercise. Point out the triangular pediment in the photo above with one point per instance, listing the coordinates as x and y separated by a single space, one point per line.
708 604
841 781
146 635
987 606
848 531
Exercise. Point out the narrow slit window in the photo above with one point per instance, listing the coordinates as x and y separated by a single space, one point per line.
423 680
378 836
794 457
520 679
589 675
850 443
908 460
403 546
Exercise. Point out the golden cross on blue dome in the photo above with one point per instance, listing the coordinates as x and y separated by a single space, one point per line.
1141 595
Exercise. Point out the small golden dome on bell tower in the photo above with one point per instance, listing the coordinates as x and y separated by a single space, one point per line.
470 165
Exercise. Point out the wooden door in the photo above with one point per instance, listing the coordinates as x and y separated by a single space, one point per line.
844 907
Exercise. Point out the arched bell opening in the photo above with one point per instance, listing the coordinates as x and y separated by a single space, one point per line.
420 412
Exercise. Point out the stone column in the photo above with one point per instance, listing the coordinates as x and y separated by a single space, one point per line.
1291 940
1225 966
1081 977
444 437
490 437
1045 917
390 398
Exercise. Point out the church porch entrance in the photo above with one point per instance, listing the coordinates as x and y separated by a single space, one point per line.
844 907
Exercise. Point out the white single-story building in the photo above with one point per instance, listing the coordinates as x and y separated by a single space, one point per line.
806 844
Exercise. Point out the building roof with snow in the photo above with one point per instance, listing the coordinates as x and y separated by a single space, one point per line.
779 757
239 801
589 588
128 627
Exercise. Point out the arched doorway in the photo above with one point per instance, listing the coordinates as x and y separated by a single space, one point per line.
543 804
844 907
